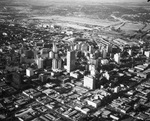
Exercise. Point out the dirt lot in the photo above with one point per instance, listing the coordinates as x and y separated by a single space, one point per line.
98 22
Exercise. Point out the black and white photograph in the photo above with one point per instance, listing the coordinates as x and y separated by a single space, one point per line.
74 60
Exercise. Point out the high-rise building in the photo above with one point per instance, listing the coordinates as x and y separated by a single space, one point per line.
60 65
104 53
71 60
117 57
47 63
17 80
54 48
40 63
89 82
109 48
35 54
54 64
91 49
51 54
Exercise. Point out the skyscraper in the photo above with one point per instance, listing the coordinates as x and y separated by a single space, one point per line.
54 48
71 61
54 64
60 64
104 53
51 54
117 57
40 63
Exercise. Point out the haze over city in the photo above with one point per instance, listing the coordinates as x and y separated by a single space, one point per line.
48 2
40 1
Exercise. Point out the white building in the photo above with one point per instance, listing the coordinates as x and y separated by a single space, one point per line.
147 54
29 72
89 82
51 54
104 61
117 57
130 52
75 75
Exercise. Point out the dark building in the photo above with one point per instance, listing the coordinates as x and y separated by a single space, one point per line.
47 63
17 80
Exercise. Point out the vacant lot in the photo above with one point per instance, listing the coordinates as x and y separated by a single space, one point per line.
132 26
73 26
98 22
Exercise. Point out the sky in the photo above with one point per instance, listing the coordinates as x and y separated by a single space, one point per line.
50 2
46 1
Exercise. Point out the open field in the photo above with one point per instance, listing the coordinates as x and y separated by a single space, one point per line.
98 22
81 15
132 26
75 26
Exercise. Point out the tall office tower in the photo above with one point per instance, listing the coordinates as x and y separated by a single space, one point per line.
54 64
97 54
79 45
104 53
71 60
72 47
110 48
60 65
54 48
47 63
89 82
40 63
91 49
17 80
117 57
51 54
